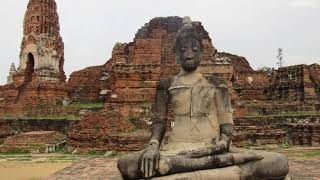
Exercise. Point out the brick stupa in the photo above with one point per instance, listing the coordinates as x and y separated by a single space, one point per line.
40 78
42 49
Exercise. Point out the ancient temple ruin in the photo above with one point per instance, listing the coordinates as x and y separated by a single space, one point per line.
39 79
42 49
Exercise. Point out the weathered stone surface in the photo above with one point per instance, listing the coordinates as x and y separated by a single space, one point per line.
106 168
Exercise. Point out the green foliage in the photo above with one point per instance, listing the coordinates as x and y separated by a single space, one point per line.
285 145
304 154
95 152
87 105
42 117
133 120
14 153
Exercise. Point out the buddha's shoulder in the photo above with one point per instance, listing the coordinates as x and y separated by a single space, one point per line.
165 83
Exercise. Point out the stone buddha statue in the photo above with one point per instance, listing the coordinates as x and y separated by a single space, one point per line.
199 146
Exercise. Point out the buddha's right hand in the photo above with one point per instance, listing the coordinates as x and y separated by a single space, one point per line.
150 160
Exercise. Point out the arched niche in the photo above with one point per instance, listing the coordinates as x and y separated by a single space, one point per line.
29 67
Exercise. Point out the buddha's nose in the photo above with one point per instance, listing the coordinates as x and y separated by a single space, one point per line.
189 55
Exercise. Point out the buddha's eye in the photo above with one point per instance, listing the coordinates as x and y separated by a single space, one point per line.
183 49
195 48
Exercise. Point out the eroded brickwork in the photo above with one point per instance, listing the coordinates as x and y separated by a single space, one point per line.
105 132
295 83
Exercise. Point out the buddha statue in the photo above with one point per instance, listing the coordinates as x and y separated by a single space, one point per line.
199 146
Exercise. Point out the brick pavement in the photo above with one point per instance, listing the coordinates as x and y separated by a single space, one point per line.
106 169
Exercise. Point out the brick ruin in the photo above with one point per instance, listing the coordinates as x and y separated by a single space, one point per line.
40 78
126 84
286 90
106 131
34 142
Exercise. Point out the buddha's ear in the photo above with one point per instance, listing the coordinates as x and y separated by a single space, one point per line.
176 53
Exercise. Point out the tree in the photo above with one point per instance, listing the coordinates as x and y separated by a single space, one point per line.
280 62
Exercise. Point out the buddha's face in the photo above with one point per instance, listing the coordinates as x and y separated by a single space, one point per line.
189 53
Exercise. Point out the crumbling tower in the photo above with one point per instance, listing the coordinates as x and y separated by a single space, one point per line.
42 49
39 80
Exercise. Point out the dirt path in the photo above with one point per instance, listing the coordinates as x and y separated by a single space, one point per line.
29 170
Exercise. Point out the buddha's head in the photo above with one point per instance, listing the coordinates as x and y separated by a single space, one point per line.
188 47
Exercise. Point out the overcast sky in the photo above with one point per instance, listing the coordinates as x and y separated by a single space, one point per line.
250 28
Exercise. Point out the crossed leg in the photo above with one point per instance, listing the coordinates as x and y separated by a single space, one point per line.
243 165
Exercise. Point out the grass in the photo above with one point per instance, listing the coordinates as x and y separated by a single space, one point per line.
304 154
44 117
87 105
12 153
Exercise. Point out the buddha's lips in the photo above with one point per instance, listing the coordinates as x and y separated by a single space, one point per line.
190 63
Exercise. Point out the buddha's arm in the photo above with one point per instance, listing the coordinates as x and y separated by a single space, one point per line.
225 116
161 109
151 155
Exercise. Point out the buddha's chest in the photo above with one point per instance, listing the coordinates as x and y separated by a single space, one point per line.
193 100
194 110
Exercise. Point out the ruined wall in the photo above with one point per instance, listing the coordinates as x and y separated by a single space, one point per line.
26 125
109 132
105 132
277 130
251 85
294 83
239 63
87 84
